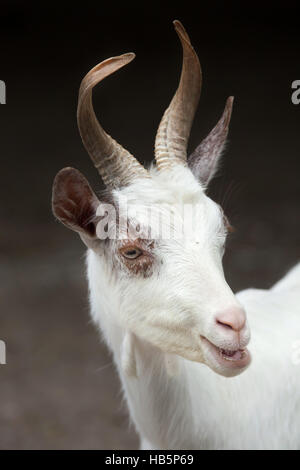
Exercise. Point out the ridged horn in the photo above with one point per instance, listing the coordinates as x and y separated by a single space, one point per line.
115 164
174 129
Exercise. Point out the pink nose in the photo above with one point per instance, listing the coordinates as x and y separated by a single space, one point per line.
233 318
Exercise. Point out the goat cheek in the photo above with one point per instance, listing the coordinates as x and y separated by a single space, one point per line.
141 267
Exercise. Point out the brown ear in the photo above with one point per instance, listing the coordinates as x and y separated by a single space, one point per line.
74 203
204 160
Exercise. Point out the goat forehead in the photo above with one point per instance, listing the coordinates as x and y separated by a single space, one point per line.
176 186
202 231
157 203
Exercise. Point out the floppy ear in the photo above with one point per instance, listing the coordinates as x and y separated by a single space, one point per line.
204 160
74 203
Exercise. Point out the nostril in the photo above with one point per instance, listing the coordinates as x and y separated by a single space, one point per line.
226 325
233 319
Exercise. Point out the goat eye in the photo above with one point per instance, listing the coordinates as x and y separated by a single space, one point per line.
132 253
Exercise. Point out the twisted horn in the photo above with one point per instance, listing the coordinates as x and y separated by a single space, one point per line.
174 129
115 164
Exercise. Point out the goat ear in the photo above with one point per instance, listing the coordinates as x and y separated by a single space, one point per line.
74 203
203 162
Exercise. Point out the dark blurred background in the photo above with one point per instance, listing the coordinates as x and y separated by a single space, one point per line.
59 388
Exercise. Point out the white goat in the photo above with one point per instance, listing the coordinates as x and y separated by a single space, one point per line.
176 330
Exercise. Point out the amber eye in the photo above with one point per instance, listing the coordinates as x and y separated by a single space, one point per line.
132 253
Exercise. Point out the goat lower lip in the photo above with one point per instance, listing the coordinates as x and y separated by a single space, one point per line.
238 358
232 355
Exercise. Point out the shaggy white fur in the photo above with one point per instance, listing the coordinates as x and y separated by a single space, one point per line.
154 326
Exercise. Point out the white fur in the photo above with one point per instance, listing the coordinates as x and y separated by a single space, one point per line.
153 325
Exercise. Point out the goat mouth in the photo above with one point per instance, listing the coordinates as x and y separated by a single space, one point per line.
229 358
232 355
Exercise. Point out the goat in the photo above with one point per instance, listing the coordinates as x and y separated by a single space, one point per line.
174 326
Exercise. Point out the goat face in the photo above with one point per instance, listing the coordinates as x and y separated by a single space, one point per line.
169 278
163 264
158 263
